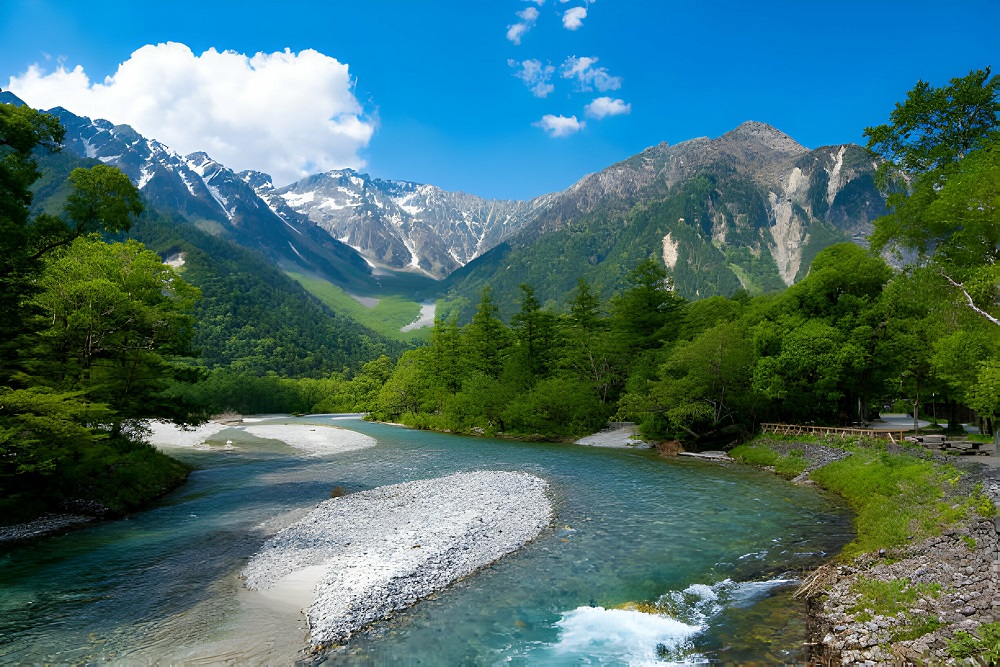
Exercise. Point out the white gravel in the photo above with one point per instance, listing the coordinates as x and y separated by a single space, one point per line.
315 439
166 434
355 559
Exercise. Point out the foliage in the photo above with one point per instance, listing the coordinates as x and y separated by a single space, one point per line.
387 317
86 329
895 497
759 454
254 319
983 644
942 172
888 598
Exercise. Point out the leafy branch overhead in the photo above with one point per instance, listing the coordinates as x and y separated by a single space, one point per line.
942 174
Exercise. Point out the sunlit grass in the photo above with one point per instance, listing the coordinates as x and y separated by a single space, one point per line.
387 317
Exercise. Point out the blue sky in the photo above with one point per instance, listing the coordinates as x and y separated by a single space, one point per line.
431 95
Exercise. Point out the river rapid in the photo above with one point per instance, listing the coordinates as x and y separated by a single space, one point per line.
717 545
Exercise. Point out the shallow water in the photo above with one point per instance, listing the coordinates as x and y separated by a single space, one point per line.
714 544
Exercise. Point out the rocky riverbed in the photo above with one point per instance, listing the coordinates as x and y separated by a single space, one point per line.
358 558
950 582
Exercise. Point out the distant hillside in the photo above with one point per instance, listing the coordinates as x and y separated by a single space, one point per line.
251 316
748 210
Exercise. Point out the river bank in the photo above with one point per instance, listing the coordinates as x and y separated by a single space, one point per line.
918 601
358 558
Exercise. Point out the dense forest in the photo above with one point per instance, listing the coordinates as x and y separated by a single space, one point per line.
99 334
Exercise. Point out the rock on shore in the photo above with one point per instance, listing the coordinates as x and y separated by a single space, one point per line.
379 551
957 589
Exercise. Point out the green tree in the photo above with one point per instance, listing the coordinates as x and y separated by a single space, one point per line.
534 332
486 338
113 314
942 172
644 313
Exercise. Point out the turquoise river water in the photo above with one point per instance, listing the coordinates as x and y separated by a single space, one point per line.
718 545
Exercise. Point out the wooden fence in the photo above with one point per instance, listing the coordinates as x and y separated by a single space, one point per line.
799 429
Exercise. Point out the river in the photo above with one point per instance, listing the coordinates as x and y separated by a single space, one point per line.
716 543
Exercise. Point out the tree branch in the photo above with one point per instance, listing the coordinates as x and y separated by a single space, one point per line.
971 303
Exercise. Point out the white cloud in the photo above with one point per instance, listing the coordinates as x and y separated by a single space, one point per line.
603 107
573 17
587 76
560 126
535 75
528 16
285 113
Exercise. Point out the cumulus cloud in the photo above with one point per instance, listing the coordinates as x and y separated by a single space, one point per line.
602 107
535 75
289 114
587 76
573 17
528 16
560 126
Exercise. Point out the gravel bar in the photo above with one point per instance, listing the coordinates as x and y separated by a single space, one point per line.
379 551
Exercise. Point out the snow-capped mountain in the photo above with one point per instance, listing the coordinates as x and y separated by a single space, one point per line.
401 224
212 196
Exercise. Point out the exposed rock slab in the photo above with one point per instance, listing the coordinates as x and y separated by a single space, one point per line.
369 554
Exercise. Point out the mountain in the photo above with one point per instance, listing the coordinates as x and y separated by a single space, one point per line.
401 224
749 209
214 198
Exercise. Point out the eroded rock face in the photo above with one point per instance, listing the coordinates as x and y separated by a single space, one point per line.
376 552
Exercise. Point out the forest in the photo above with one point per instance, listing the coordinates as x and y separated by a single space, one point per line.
99 335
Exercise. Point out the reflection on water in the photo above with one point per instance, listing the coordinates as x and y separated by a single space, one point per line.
163 585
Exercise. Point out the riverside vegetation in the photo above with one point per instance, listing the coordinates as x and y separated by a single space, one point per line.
101 335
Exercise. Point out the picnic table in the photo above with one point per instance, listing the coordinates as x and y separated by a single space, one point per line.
942 443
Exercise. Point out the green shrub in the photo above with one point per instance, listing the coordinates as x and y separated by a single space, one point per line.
984 644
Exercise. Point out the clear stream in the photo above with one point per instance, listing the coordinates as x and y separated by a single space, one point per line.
715 544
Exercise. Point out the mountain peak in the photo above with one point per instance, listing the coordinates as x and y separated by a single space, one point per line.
762 134
7 97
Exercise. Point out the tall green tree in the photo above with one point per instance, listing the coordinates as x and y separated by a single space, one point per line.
645 313
534 332
942 172
113 314
486 338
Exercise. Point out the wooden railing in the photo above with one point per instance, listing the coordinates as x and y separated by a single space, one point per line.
800 429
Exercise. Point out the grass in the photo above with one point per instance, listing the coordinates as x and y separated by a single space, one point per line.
390 315
888 598
761 455
896 497
893 598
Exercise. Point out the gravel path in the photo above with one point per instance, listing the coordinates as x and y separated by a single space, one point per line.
368 554
315 439
614 437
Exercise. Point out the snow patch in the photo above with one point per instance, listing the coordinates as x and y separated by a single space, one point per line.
296 251
144 177
296 199
424 319
88 148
